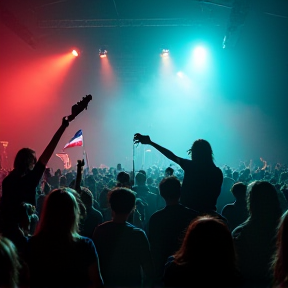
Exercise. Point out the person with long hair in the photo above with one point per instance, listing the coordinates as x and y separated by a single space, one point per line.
206 257
9 264
280 262
21 183
255 239
57 255
202 179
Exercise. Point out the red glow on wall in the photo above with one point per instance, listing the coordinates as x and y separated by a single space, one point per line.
29 95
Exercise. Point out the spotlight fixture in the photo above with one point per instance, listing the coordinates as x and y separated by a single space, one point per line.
75 53
102 53
165 53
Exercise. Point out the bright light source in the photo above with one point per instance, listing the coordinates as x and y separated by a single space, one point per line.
165 53
180 74
102 53
75 53
199 55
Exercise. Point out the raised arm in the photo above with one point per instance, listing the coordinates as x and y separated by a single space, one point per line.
145 139
47 153
75 110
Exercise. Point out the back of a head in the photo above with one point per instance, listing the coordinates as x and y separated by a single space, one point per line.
169 171
170 188
207 243
263 202
281 257
140 178
239 190
9 264
24 158
123 178
201 151
86 197
60 214
122 200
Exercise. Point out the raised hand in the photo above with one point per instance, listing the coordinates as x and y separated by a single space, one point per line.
143 139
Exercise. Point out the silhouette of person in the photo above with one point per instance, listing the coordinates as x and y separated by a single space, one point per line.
280 262
167 226
124 250
57 255
202 179
206 257
20 185
236 213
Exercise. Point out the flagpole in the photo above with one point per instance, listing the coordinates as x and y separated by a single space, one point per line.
83 152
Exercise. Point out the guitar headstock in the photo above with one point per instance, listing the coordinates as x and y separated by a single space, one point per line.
79 107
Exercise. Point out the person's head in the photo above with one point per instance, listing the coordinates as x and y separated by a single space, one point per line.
58 173
62 181
263 202
239 191
140 178
9 264
123 178
60 214
169 171
201 151
122 200
25 160
87 197
95 171
46 187
207 244
280 263
142 171
170 188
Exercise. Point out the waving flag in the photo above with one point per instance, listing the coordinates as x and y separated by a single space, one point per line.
77 140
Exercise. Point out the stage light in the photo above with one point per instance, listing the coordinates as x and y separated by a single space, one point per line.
75 53
165 53
102 53
200 55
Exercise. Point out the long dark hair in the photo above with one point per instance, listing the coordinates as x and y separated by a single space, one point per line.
60 215
201 152
207 246
24 158
280 262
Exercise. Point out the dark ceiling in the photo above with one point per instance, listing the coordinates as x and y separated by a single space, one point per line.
37 22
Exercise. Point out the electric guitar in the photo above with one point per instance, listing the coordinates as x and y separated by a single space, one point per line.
79 107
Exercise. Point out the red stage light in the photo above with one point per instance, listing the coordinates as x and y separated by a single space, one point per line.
75 53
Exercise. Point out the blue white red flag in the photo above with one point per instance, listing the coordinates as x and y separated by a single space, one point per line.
77 140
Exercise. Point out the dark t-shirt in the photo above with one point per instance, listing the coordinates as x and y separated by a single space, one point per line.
235 213
166 231
17 189
56 263
201 185
123 250
93 219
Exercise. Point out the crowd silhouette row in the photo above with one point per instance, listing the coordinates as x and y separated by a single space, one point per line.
194 225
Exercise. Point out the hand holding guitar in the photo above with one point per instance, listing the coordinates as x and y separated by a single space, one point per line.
79 107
